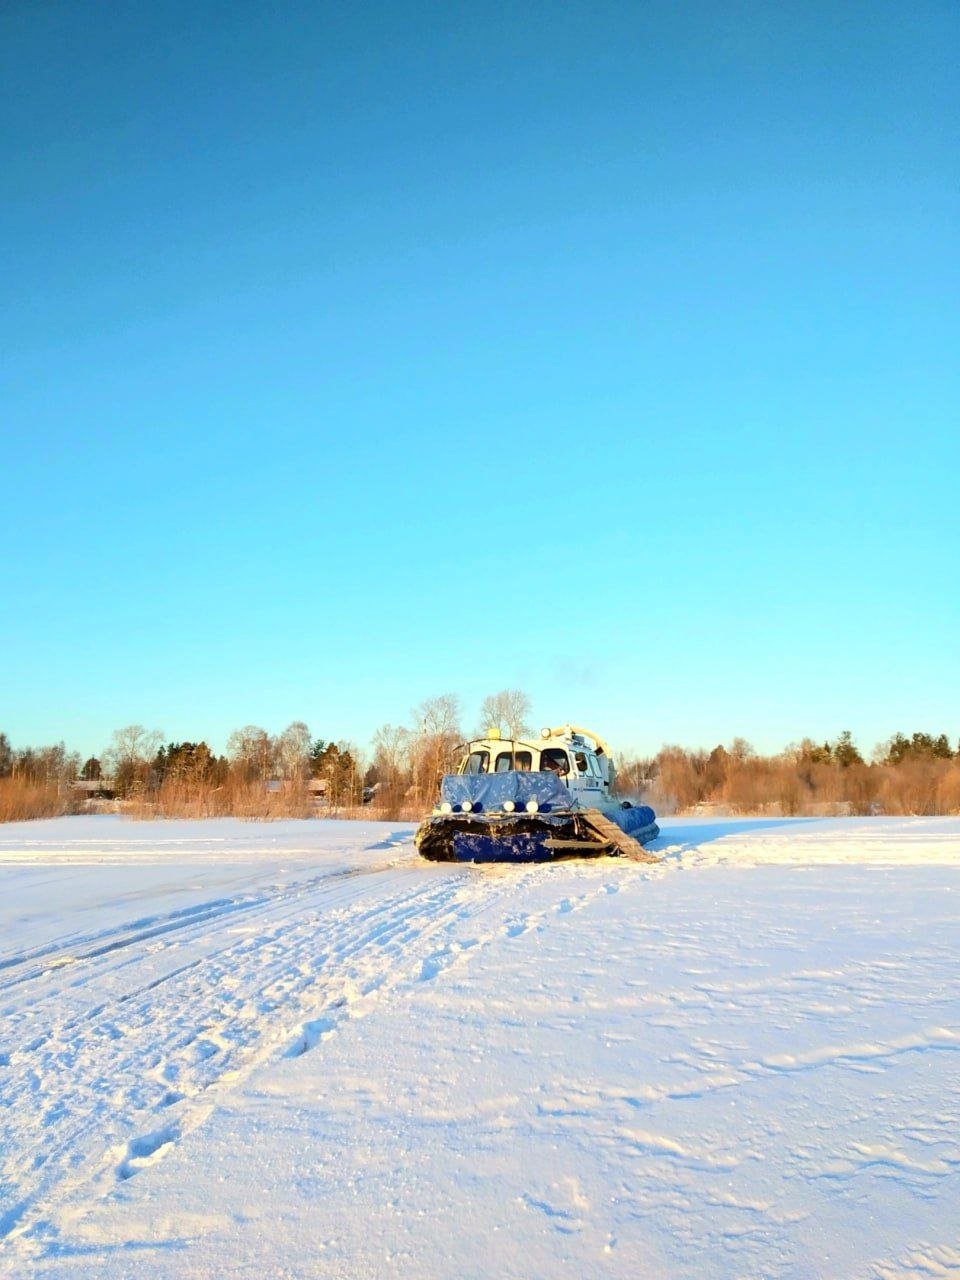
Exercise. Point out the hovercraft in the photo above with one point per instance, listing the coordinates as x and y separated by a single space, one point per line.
517 801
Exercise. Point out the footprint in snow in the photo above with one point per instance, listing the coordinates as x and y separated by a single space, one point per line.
145 1151
310 1036
514 928
441 959
560 1219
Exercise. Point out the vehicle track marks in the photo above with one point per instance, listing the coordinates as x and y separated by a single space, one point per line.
97 1097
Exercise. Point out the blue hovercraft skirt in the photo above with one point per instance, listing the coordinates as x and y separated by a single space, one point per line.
522 837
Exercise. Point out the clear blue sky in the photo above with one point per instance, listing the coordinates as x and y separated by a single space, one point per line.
354 353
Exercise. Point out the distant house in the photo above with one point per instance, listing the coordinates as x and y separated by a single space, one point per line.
316 786
94 788
318 789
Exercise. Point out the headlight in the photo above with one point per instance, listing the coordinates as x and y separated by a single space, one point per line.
532 806
508 806
466 806
446 807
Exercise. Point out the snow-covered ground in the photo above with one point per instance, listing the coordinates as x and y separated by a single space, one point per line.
293 1049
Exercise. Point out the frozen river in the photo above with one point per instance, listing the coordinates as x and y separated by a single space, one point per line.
294 1049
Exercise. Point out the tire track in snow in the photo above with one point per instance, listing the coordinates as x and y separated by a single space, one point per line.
57 954
144 1068
237 989
101 965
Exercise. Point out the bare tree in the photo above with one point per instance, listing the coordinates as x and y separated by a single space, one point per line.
506 711
391 762
437 735
678 785
293 752
251 750
129 755
439 715
635 777
391 749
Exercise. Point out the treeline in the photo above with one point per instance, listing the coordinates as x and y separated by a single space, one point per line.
259 776
919 774
292 773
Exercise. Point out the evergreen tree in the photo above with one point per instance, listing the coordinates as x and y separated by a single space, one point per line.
318 747
921 746
845 752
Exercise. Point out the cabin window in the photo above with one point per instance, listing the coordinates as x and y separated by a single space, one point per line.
506 760
555 760
478 762
581 761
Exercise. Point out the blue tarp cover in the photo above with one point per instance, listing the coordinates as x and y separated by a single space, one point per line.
634 821
490 790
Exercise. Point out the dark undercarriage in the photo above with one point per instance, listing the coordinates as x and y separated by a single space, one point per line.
541 837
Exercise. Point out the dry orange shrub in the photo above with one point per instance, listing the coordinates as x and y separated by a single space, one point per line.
21 800
793 784
948 788
178 798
